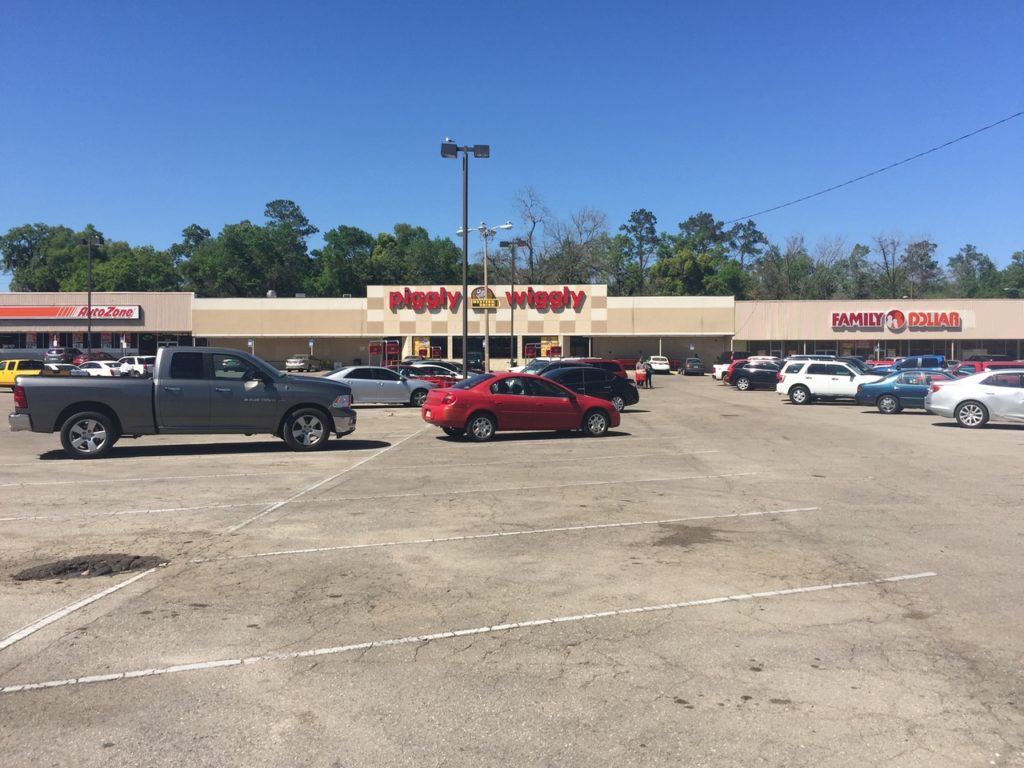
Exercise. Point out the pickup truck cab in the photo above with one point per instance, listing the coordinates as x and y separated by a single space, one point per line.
202 390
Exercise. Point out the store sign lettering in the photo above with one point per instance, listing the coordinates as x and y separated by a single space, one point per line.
553 300
428 300
896 321
71 312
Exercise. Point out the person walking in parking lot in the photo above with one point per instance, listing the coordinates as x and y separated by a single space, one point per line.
648 374
641 372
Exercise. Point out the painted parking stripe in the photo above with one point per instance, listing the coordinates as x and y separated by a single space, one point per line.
24 632
278 504
569 460
375 497
448 634
119 480
503 534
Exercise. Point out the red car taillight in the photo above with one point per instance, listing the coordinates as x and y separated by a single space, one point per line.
20 398
779 376
448 399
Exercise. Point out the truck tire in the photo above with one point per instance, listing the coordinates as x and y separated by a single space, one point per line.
307 429
88 435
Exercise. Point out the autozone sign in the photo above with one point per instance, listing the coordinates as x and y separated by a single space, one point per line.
896 321
99 312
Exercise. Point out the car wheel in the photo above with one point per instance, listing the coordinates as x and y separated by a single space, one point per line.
799 395
306 430
618 402
481 427
743 384
88 435
453 431
971 414
888 404
595 423
419 397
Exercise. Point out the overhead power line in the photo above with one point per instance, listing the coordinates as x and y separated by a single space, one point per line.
880 170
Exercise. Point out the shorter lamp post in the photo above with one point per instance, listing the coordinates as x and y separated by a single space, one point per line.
89 242
487 233
518 242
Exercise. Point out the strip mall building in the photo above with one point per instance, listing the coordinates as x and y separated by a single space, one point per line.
395 321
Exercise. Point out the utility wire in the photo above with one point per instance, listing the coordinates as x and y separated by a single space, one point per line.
880 170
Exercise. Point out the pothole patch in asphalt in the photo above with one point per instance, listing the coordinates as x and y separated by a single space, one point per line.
89 565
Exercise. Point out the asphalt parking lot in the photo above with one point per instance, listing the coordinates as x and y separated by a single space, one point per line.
725 580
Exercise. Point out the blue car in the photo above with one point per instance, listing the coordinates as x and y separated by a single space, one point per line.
901 389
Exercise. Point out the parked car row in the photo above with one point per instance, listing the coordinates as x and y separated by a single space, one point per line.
973 392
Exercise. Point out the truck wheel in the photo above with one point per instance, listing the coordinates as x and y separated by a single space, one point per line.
799 395
88 435
306 430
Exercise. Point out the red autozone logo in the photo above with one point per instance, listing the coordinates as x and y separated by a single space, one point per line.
71 312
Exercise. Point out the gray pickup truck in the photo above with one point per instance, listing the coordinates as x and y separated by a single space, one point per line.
194 391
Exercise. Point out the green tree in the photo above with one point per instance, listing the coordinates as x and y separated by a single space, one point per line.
1013 276
641 243
921 271
858 276
142 268
343 264
973 275
41 257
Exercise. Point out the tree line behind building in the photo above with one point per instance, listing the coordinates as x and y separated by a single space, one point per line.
703 258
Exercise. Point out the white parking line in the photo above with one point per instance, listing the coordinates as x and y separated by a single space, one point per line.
341 499
569 460
501 534
278 504
24 632
119 480
447 634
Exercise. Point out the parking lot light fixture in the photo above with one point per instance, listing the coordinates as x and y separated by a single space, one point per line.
450 150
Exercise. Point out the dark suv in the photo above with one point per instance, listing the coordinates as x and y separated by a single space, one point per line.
61 354
612 366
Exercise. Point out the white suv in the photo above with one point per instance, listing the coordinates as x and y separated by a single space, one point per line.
805 380
135 365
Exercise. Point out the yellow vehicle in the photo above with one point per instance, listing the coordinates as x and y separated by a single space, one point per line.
11 368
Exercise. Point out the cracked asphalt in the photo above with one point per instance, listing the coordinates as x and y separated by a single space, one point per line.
725 580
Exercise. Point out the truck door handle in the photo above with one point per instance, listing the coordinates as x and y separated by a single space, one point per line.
172 389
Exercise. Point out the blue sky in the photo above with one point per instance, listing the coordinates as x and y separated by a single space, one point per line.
142 118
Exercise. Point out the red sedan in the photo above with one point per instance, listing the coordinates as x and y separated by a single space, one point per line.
484 404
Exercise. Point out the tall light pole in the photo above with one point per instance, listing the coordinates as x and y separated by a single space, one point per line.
89 242
450 150
518 242
487 233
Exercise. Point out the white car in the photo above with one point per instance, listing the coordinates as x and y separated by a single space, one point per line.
372 384
660 364
101 368
976 400
805 380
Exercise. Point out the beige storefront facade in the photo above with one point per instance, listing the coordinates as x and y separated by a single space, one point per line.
582 320
573 319
956 328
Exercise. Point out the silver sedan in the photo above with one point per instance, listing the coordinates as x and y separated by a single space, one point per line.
373 384
975 400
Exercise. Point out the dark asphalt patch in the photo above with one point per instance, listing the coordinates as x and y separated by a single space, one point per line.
89 565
